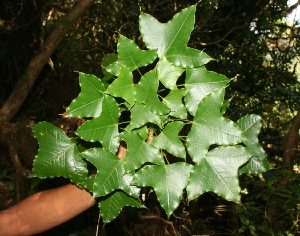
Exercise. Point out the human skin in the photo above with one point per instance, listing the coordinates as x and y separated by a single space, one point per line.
44 210
47 209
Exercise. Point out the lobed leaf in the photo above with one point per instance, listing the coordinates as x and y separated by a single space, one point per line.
168 182
138 152
141 115
168 74
58 155
111 206
103 128
110 171
162 36
89 101
131 56
171 38
250 125
210 127
146 93
218 172
199 83
174 101
123 86
169 141
187 57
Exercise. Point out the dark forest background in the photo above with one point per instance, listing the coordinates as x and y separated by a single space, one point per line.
43 44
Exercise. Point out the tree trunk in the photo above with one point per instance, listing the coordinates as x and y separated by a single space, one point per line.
25 83
291 143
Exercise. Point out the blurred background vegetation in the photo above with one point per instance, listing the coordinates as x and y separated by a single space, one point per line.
253 43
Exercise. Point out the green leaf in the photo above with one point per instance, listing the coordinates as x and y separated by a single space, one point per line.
123 86
225 106
138 152
168 74
168 182
143 132
107 60
131 56
112 205
210 127
146 93
131 190
171 38
218 172
174 101
187 57
162 36
103 128
199 83
89 101
141 115
250 125
110 171
58 155
169 141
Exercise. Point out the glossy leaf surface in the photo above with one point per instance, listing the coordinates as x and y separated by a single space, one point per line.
168 140
89 101
103 128
171 38
146 93
199 83
210 127
168 182
58 155
111 206
139 152
218 172
123 86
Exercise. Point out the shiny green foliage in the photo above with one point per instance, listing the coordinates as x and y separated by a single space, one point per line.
58 155
171 118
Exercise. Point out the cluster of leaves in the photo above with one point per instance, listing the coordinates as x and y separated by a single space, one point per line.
176 134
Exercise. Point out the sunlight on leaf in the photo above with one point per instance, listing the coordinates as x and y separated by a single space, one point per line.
89 101
162 36
131 56
199 83
168 74
210 127
218 172
171 38
187 57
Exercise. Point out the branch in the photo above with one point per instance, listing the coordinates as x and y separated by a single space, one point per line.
291 144
24 85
